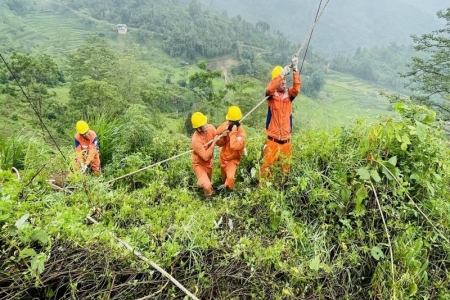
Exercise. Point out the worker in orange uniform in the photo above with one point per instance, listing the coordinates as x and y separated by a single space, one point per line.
232 142
87 149
279 116
203 141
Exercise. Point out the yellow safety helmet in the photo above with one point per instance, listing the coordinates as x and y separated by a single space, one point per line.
234 113
276 71
198 119
82 127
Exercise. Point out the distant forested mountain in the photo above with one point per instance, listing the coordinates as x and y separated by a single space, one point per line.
190 29
345 25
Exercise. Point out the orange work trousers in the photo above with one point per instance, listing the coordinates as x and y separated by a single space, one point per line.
204 176
95 163
274 152
228 170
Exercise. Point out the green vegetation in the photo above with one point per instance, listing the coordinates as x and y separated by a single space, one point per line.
430 76
379 65
189 29
363 213
46 28
317 233
345 26
343 99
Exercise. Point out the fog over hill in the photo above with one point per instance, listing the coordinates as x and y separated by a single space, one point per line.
344 25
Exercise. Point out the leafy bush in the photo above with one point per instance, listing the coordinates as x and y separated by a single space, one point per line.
363 213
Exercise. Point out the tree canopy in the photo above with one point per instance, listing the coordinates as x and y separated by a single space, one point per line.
190 29
430 76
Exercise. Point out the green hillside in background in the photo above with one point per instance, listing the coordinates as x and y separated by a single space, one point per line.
345 26
343 100
58 30
363 212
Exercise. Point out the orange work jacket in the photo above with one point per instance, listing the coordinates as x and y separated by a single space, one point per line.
233 144
202 154
279 114
89 145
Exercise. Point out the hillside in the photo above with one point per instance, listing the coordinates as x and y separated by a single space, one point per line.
362 213
328 108
46 28
343 100
345 25
38 33
342 224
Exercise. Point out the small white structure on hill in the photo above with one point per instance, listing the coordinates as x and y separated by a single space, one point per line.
121 28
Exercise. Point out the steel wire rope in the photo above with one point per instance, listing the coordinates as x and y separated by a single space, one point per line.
144 258
308 37
178 155
33 107
138 254
130 248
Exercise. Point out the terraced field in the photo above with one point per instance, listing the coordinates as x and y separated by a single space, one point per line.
343 100
61 33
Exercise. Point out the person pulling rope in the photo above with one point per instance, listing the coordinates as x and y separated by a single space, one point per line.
308 38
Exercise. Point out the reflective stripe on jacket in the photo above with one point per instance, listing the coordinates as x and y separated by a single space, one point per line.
202 154
279 114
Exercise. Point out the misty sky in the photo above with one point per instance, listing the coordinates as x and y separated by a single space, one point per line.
345 24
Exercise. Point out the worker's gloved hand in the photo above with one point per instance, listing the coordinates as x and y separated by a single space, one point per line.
294 63
286 70
84 151
83 168
216 138
230 127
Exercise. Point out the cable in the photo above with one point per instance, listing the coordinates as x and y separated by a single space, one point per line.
32 106
142 257
307 46
181 154
318 15
253 109
308 36
150 166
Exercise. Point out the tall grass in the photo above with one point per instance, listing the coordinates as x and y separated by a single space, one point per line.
13 151
107 129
